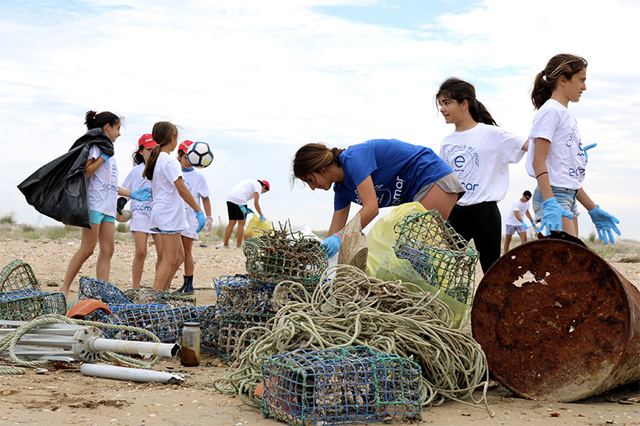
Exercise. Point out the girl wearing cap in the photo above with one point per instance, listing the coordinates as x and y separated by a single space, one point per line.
101 170
140 210
377 173
237 209
479 152
557 159
169 191
198 187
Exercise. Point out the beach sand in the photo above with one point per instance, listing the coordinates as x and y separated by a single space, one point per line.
64 396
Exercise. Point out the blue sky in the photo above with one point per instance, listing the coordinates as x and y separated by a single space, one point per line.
259 79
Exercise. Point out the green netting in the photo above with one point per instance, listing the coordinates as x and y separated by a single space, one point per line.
439 254
283 255
18 275
232 326
340 386
25 305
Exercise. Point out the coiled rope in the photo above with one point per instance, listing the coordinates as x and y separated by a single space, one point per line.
354 309
11 340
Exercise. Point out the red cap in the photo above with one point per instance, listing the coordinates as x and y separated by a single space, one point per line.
184 146
265 183
147 141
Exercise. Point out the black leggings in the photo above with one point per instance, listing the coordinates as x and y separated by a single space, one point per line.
481 223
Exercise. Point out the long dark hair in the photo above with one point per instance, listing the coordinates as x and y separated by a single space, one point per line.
546 80
313 157
93 119
459 91
137 156
163 133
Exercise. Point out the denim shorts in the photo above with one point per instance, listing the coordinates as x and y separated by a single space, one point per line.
565 197
97 218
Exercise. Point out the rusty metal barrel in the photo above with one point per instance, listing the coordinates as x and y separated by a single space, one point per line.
557 322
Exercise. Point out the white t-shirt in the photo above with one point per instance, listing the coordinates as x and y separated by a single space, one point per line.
521 207
167 213
565 162
103 184
244 191
197 184
480 158
141 210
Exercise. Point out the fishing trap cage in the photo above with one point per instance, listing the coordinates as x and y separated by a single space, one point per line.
438 253
340 386
116 299
18 275
280 255
240 294
27 304
163 321
231 326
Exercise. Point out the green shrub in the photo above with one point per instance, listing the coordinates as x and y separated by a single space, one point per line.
8 218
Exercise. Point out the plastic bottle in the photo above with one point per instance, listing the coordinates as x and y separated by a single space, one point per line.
190 344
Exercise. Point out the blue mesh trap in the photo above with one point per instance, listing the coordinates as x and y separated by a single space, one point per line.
165 322
26 304
209 328
18 275
109 294
438 253
340 386
144 295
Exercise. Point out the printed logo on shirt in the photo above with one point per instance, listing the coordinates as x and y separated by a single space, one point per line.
141 208
385 196
572 135
463 160
108 187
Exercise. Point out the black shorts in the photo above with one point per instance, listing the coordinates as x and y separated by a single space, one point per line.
235 212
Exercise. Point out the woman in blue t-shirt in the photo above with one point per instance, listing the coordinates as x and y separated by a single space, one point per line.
377 173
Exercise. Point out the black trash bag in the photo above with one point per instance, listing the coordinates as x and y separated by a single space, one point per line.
59 188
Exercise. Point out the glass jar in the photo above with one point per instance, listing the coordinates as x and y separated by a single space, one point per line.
190 344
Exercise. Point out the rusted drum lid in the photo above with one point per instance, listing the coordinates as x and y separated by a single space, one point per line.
553 320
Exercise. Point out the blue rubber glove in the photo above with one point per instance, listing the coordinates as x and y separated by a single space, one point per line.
524 225
105 157
202 220
604 223
249 210
552 216
142 194
585 149
262 218
331 245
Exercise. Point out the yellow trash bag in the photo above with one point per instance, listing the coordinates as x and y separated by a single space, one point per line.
256 227
383 263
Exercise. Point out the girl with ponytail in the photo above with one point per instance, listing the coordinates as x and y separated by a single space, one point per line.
479 152
557 158
377 173
170 192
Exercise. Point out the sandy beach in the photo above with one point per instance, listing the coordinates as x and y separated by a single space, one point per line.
64 396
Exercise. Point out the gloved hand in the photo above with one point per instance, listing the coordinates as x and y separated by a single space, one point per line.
262 218
533 225
142 194
208 225
332 245
524 225
105 157
120 205
552 215
585 149
604 223
249 210
201 221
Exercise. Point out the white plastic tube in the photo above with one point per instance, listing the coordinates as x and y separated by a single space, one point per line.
132 374
133 347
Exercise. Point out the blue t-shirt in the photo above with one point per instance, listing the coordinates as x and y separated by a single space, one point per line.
398 170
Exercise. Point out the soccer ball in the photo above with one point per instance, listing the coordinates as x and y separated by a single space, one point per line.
200 154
